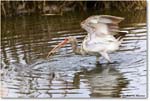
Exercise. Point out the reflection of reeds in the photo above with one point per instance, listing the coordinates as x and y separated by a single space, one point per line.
11 8
134 18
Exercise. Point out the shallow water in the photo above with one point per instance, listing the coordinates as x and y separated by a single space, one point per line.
26 73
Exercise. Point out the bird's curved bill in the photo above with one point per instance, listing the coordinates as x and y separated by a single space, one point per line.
57 47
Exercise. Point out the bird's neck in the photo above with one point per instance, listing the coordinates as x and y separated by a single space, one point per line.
75 48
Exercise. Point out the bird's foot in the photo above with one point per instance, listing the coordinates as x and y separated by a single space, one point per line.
110 62
114 62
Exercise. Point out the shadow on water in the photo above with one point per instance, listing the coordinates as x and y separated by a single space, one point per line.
27 74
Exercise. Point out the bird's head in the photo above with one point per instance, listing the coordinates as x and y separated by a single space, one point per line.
61 44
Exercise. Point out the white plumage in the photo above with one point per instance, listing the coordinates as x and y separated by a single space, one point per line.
100 39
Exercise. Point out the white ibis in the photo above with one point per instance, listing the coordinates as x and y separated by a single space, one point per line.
100 39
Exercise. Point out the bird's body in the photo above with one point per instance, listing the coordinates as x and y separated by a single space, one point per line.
100 39
98 44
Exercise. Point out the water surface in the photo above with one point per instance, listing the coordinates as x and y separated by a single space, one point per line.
26 73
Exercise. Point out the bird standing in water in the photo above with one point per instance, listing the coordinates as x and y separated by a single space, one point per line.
100 39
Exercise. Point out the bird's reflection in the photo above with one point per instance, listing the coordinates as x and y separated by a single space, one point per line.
106 81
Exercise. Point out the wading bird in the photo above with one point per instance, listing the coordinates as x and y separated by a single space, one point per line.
103 37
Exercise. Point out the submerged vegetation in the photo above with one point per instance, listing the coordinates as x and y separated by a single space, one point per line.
13 8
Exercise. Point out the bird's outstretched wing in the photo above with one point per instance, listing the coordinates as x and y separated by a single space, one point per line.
101 25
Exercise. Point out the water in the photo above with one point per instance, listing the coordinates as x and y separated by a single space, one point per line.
26 73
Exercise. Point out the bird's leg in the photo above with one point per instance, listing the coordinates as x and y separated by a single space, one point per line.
106 56
97 60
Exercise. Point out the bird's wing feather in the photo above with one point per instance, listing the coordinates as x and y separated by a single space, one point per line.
102 25
110 19
111 22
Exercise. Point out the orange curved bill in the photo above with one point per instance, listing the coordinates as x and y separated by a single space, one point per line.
57 47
